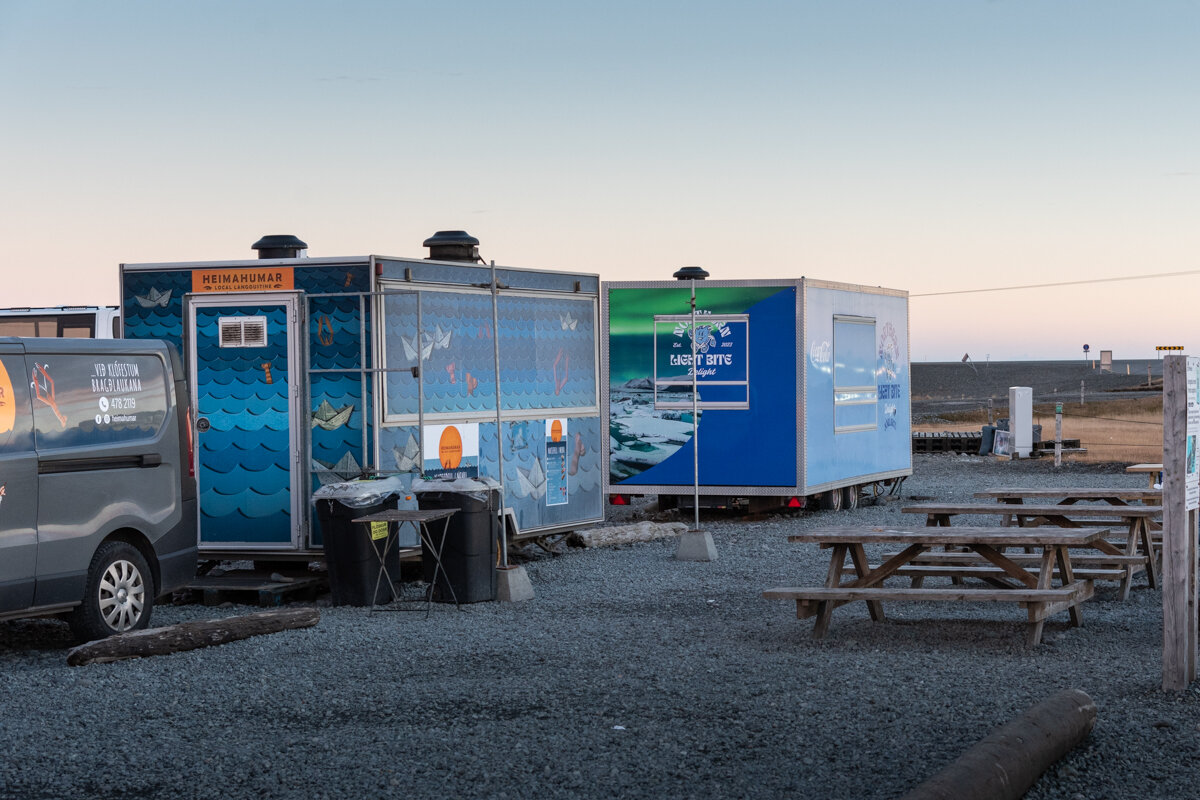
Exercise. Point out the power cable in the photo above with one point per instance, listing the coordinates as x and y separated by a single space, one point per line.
1061 283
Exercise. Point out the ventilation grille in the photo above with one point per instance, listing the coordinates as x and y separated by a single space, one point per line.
243 331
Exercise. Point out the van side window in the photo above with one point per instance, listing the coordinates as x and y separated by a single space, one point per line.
96 400
16 421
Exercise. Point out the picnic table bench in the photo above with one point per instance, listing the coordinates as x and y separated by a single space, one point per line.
1032 589
1135 518
1074 494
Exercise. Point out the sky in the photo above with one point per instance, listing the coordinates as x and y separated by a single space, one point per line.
926 145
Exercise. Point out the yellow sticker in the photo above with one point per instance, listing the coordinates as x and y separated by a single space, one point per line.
379 530
8 401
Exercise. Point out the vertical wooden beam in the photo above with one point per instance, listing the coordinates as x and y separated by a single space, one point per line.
1179 533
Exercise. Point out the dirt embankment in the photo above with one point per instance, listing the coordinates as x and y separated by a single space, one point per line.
948 386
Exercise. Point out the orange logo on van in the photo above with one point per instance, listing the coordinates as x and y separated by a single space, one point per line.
8 401
556 430
450 448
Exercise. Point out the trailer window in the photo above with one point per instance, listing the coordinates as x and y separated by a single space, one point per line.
855 397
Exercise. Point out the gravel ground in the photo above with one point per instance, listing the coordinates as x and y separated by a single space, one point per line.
630 674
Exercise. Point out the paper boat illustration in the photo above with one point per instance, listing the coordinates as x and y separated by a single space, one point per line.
328 418
154 298
345 469
410 347
408 459
532 481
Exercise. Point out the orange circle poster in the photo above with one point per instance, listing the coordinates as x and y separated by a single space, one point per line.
450 448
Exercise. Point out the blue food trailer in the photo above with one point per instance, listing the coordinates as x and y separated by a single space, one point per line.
306 371
801 390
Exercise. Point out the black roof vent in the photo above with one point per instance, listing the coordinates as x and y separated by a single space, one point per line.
690 274
452 246
282 245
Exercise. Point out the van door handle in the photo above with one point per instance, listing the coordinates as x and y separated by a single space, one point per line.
151 460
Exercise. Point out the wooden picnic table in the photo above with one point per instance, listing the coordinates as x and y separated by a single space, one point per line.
1136 520
1033 590
1070 495
1154 471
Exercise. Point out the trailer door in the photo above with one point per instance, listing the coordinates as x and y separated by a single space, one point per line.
246 389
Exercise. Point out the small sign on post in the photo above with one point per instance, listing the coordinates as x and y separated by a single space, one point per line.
1058 434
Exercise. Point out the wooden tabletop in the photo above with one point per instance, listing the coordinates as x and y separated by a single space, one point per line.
1144 468
964 535
1072 492
1040 510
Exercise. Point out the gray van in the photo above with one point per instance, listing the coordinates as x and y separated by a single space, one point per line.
97 489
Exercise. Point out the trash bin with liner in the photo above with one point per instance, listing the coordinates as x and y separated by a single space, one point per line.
351 553
469 553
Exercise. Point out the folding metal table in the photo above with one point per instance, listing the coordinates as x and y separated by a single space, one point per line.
419 519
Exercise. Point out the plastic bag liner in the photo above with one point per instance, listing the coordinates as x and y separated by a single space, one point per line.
361 493
476 488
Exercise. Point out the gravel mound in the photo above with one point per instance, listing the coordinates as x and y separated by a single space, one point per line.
629 674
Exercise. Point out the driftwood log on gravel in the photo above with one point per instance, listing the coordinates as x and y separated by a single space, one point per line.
625 534
190 636
1005 764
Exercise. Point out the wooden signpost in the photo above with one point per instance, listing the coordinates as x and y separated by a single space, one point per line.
1180 500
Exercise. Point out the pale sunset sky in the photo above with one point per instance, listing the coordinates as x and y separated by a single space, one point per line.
924 145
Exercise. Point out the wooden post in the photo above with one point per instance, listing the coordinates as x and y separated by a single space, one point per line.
1179 532
1082 398
1058 434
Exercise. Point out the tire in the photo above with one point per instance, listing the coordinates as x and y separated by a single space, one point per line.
850 497
831 500
119 595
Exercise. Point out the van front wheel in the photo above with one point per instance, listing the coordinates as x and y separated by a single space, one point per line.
119 595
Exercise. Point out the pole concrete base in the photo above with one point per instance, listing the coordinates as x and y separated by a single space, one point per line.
512 585
696 546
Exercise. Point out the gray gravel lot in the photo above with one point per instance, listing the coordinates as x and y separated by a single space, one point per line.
630 674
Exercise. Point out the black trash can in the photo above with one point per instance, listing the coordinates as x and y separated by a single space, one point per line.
469 553
351 554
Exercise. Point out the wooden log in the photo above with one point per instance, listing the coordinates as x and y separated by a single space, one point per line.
190 636
1005 764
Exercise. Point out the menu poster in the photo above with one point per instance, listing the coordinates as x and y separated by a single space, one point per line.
556 462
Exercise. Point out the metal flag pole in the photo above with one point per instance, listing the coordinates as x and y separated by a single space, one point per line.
499 426
695 419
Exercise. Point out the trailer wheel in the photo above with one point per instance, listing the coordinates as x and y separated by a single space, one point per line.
831 500
850 497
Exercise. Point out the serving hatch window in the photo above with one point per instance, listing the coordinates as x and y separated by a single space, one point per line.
855 396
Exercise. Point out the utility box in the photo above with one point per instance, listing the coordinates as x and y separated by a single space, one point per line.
802 390
1020 425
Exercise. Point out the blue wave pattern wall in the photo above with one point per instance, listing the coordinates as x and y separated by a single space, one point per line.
524 472
152 305
244 479
335 330
547 352
457 355
524 467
